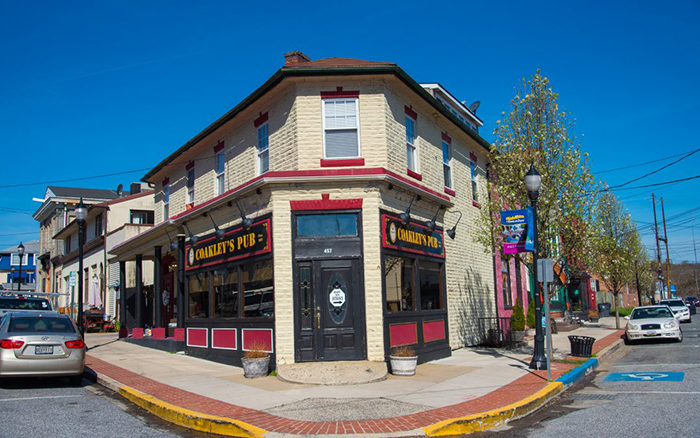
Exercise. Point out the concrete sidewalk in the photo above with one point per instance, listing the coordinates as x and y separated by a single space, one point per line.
470 382
561 347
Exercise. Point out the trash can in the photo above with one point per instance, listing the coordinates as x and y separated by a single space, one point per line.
581 346
604 310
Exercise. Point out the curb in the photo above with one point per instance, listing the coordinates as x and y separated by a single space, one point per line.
489 419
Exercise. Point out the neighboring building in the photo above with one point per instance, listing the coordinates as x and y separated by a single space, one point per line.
10 267
628 294
107 224
56 211
512 283
283 220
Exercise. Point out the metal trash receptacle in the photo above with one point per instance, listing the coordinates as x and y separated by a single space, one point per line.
604 310
581 346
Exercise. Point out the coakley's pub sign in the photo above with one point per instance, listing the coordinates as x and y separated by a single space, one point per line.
414 237
236 243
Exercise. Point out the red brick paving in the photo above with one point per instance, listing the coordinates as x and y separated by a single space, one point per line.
511 393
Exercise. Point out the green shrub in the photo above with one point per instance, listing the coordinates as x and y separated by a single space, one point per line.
531 315
624 311
517 319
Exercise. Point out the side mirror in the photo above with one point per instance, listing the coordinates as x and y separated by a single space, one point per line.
627 318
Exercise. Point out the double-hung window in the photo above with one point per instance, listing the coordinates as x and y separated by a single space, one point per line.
340 125
166 202
220 172
505 280
190 185
447 163
98 225
411 155
263 149
475 186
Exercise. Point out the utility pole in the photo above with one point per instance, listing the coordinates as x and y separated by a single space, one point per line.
695 250
658 250
668 259
639 290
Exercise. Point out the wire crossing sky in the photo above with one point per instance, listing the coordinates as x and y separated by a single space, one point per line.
95 93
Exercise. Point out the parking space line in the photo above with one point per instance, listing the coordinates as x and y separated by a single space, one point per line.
659 392
39 398
655 365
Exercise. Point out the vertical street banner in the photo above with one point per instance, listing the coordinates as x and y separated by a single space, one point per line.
518 232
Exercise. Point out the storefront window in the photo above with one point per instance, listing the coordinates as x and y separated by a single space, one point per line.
398 276
324 225
198 293
430 296
259 291
226 293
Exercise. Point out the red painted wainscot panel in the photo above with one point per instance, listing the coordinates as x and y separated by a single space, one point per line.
433 330
257 336
180 334
224 338
137 333
197 337
159 333
403 334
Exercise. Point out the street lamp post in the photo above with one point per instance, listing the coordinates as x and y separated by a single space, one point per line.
80 217
20 251
533 182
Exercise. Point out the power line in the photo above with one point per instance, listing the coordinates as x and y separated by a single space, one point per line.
657 170
19 234
640 164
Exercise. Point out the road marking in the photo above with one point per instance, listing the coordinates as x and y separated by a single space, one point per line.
659 392
655 365
39 398
645 377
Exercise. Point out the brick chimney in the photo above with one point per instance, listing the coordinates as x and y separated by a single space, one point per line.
295 58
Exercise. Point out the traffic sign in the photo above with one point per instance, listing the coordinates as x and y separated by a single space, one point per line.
545 270
646 377
73 278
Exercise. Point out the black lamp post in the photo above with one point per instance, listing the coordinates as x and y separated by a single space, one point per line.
80 217
533 182
20 251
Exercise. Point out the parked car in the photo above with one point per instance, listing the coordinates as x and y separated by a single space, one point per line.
12 304
692 300
680 310
41 345
649 322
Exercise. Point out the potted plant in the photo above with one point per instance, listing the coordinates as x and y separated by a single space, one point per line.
593 315
403 361
517 322
256 361
531 319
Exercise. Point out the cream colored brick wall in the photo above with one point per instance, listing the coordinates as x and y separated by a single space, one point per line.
284 276
310 119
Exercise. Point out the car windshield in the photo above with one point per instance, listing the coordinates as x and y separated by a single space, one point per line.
673 303
651 312
38 324
24 304
691 299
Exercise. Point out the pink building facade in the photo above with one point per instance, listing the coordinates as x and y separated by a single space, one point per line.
512 282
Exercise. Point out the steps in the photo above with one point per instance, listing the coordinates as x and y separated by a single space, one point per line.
333 373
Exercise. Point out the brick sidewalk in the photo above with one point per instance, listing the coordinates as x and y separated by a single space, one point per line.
511 393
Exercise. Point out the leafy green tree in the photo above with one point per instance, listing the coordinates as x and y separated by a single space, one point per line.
537 131
617 246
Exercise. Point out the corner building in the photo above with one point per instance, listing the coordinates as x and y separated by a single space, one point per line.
280 225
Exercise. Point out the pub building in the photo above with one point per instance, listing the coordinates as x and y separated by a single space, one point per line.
330 216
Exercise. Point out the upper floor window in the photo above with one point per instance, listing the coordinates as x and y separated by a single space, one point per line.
220 172
447 163
475 187
141 217
190 185
263 149
340 125
14 259
98 225
166 201
411 155
68 244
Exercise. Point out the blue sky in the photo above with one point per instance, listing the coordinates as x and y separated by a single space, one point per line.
89 88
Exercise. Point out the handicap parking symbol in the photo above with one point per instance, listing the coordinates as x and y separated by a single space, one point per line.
645 377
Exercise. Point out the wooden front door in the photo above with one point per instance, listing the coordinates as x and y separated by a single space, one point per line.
331 310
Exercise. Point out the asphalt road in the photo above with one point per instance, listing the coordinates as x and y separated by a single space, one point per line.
52 408
645 406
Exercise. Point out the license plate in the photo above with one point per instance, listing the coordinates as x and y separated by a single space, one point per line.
43 349
650 334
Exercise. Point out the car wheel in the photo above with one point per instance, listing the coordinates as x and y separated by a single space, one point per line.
628 341
680 337
76 380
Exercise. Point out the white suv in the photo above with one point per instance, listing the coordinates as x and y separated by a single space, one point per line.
680 310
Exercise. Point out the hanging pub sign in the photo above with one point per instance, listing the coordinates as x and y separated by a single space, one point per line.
518 234
236 243
414 237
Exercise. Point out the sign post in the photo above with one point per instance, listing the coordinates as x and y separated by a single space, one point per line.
545 275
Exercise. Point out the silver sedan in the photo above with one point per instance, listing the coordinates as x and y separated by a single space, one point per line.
41 345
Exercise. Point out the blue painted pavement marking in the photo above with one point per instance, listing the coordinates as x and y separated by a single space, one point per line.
645 377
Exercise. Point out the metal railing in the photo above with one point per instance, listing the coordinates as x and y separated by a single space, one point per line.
496 331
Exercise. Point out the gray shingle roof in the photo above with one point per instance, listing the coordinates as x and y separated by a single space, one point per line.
30 247
72 192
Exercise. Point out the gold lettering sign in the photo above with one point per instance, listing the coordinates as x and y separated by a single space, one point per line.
237 243
413 237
